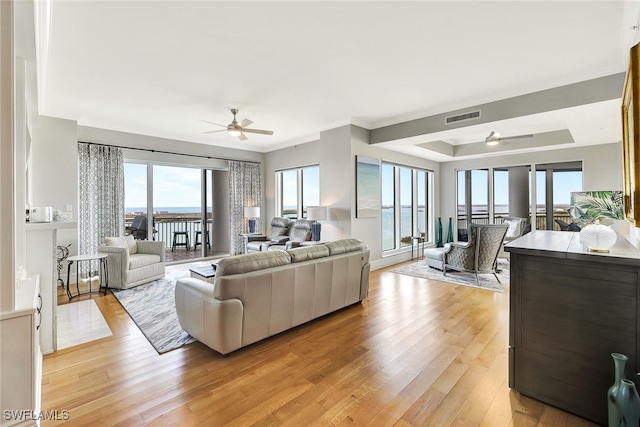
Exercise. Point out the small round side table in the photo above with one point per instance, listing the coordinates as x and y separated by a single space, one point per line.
103 276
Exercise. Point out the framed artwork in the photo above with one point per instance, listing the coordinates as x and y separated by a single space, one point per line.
631 138
367 187
589 206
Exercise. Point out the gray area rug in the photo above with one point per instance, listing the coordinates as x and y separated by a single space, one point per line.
152 307
487 281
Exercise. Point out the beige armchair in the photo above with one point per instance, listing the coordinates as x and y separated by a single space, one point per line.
478 255
132 262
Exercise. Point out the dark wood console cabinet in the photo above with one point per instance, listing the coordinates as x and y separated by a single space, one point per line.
569 310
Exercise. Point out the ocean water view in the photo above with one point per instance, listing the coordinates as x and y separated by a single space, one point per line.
169 210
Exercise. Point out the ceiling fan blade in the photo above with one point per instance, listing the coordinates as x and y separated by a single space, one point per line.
213 123
214 131
260 131
245 122
516 137
242 137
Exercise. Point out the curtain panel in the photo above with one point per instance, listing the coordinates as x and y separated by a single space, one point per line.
245 189
101 194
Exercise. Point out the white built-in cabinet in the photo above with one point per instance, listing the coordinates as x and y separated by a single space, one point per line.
20 349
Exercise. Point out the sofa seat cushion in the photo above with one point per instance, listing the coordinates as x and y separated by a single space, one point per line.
142 260
126 242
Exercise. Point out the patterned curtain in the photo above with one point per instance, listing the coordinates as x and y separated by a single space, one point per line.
245 189
101 194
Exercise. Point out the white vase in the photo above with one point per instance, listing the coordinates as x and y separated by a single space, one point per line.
597 237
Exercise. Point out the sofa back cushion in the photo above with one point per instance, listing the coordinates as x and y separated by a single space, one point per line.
238 264
300 230
279 228
306 253
126 242
345 245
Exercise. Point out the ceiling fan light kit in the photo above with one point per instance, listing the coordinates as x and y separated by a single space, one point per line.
494 138
239 130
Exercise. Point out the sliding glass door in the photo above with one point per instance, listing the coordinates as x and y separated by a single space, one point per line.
178 205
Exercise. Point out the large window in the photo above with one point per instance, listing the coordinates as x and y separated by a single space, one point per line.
297 189
406 205
174 214
555 182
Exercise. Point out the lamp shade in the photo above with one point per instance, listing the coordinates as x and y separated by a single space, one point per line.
597 237
316 213
252 212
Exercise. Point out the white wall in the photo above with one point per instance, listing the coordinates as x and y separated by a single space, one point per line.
331 152
601 167
369 230
335 153
7 209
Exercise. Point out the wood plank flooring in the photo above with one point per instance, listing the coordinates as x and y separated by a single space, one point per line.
414 353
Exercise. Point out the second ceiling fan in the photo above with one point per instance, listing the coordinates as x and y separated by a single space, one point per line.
238 129
494 138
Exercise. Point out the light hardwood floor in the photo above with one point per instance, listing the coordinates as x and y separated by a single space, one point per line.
414 353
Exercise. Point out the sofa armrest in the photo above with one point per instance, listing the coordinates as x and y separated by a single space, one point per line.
291 245
279 239
151 247
260 238
117 264
215 323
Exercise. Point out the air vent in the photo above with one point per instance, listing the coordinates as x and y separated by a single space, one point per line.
462 117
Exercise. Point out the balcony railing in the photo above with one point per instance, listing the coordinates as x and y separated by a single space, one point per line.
541 220
165 225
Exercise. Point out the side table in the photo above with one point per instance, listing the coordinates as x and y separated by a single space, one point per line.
416 241
103 277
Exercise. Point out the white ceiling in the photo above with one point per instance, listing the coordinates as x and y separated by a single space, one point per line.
297 68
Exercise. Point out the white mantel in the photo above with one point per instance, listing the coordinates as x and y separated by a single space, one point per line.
41 260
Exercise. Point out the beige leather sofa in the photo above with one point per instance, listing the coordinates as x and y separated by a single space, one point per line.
133 262
260 294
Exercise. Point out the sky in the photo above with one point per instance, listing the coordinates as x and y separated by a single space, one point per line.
563 184
180 186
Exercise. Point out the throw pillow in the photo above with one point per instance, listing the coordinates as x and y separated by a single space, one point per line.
127 242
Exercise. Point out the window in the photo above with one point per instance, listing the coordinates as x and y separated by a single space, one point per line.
297 189
555 182
406 205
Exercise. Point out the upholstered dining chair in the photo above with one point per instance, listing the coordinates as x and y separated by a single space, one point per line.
479 255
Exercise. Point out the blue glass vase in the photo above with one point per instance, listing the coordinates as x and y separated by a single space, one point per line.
619 362
450 231
439 233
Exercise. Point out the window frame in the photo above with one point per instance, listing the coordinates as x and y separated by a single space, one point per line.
301 211
429 183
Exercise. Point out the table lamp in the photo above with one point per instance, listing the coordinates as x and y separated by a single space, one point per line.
316 213
252 212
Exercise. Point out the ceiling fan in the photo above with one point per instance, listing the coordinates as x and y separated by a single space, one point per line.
238 129
494 138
